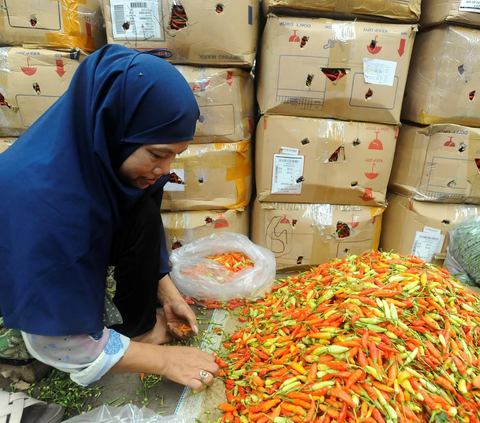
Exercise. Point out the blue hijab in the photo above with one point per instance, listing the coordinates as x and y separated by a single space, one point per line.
60 198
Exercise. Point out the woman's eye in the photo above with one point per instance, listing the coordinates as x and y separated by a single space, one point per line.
156 156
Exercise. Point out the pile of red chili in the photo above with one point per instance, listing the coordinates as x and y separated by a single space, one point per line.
377 338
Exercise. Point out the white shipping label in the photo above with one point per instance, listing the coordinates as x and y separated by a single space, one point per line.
427 244
135 19
379 72
469 6
287 174
177 180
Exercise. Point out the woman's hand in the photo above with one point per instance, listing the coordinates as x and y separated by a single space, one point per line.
189 366
177 312
186 365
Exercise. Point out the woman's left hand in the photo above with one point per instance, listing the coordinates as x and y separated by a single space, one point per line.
179 314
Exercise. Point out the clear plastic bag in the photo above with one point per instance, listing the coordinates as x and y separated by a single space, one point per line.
213 281
463 257
125 414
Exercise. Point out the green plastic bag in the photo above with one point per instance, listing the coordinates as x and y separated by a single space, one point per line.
463 257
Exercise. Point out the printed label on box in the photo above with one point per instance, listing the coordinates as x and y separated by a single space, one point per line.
135 19
287 174
469 6
379 72
289 150
177 180
427 244
432 230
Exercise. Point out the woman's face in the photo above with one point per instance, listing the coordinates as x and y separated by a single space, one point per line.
148 163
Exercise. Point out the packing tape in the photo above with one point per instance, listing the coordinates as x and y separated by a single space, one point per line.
71 36
240 172
343 35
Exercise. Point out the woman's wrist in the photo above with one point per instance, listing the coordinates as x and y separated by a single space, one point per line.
167 291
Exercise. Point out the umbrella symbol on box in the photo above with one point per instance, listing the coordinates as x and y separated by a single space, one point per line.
376 144
368 195
372 174
285 220
449 143
294 38
374 48
221 222
28 70
353 224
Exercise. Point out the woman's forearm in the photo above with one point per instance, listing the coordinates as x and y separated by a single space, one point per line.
167 289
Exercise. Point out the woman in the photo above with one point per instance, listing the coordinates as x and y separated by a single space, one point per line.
79 198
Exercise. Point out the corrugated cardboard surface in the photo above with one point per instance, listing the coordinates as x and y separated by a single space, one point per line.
443 81
226 98
52 23
438 163
184 227
5 143
312 234
32 80
216 33
435 12
331 162
403 10
209 177
297 52
404 217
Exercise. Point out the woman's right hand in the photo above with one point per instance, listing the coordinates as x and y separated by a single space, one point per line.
185 365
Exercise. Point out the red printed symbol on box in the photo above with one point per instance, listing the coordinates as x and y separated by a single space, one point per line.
230 78
373 47
353 224
60 69
294 38
368 195
28 70
401 49
221 222
449 143
372 174
376 144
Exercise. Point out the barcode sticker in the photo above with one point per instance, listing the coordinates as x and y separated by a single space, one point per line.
287 174
380 72
135 20
469 6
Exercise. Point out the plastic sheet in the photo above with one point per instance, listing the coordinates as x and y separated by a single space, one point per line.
215 282
126 414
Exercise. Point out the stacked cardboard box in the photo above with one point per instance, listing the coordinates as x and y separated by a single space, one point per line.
45 41
321 183
436 167
6 142
207 32
211 182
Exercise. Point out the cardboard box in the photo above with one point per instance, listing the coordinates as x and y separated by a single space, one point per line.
5 143
204 32
181 228
337 69
32 80
210 177
420 228
438 163
226 97
305 160
52 24
435 12
312 234
443 81
402 10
